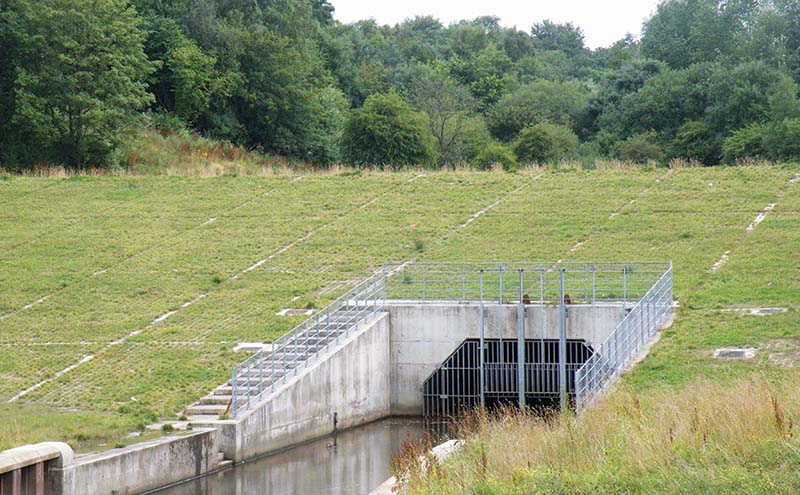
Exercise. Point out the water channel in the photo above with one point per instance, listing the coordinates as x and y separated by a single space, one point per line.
358 463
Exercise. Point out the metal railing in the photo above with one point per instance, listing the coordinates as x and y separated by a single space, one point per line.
618 352
262 372
584 283
535 283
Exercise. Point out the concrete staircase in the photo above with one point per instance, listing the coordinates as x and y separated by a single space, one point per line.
269 366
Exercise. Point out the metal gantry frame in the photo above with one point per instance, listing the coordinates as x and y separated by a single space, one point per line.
643 290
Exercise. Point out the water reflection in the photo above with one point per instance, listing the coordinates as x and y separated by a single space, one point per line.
358 463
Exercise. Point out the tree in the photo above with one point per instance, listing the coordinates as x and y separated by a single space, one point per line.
747 142
545 142
541 101
783 102
9 41
685 32
549 35
387 131
696 140
739 95
641 149
496 154
663 104
80 77
447 105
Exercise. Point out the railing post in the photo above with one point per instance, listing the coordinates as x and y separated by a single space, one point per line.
562 348
521 345
541 284
260 374
463 284
624 290
483 344
385 282
234 390
424 283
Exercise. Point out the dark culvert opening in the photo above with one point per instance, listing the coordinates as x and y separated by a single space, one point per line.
455 387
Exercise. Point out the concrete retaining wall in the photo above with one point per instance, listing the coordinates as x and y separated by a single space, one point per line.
143 466
352 379
424 335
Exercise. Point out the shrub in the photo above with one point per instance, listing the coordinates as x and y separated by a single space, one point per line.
695 141
470 141
541 101
387 131
783 142
494 154
545 143
640 149
747 142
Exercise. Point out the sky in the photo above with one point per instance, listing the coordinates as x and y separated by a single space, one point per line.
603 21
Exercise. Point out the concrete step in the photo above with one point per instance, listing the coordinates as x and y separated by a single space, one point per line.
215 399
202 418
206 409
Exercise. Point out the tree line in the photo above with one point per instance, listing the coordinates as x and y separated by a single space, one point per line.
708 80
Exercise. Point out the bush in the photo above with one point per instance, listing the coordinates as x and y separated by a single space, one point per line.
494 154
545 143
387 131
541 101
470 141
695 141
640 149
747 142
783 142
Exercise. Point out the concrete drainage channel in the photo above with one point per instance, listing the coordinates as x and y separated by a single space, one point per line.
367 356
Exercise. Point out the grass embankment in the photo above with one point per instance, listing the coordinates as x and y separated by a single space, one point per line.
681 421
92 264
711 437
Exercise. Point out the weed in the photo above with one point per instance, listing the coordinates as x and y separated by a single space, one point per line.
167 428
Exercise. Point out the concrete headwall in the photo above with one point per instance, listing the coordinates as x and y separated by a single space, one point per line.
142 467
424 335
352 379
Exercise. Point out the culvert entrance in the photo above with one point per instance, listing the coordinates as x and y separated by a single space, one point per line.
460 383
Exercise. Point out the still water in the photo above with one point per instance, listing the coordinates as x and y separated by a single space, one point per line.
357 464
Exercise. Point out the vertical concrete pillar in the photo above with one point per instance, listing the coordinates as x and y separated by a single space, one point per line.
16 482
39 479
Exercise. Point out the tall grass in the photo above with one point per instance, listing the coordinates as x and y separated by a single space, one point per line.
736 437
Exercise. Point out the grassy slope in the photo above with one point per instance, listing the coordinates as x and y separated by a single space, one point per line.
112 254
681 421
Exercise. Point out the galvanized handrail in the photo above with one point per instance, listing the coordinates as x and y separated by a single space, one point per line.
261 373
623 345
587 283
584 282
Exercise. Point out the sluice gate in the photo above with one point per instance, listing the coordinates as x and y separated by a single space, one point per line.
466 380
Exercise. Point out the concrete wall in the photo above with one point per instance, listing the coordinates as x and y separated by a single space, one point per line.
143 466
352 379
424 335
376 372
32 469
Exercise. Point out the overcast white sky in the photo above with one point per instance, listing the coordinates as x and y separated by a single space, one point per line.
603 21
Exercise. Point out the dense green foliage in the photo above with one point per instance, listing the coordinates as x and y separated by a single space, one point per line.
709 80
386 131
